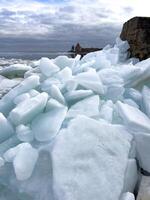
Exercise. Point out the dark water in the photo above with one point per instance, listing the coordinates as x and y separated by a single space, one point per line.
31 55
10 58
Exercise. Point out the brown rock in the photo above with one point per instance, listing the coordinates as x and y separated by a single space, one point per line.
137 32
83 51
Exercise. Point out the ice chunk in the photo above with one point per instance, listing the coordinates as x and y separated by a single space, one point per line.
131 103
115 92
47 67
88 107
142 145
24 133
24 161
101 60
133 117
33 93
63 61
146 100
52 104
128 196
71 85
6 129
83 67
131 176
106 111
88 159
28 109
45 86
13 71
110 76
76 61
7 84
64 75
77 95
122 45
46 125
6 103
90 80
133 94
10 154
56 94
21 98
2 162
9 143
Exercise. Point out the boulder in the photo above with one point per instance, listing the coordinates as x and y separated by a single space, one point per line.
136 31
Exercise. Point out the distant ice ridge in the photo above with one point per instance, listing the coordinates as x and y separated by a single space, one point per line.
73 129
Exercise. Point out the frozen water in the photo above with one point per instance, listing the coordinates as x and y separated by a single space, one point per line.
47 67
6 129
128 196
146 100
133 117
131 176
77 95
90 80
6 103
88 106
27 110
84 158
143 150
56 94
46 125
16 70
24 161
24 133
21 98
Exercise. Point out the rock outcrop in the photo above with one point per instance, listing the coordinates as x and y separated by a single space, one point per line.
78 49
137 32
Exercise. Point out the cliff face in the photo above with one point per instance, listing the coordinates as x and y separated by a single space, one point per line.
137 32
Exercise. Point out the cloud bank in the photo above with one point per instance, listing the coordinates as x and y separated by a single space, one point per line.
90 22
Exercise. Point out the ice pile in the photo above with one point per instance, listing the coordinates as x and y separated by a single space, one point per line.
74 129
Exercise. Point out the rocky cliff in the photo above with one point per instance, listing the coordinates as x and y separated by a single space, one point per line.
137 32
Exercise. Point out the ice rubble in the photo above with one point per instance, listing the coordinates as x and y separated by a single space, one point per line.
75 128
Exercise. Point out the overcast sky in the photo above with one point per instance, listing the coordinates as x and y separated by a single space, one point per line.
44 25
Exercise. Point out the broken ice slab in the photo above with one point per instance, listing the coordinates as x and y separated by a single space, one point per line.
90 153
146 100
24 133
16 70
9 143
55 93
128 196
6 129
27 110
63 61
24 161
133 118
27 84
144 189
47 67
47 125
77 95
88 106
90 80
143 150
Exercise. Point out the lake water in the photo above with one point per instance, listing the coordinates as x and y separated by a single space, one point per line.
8 58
